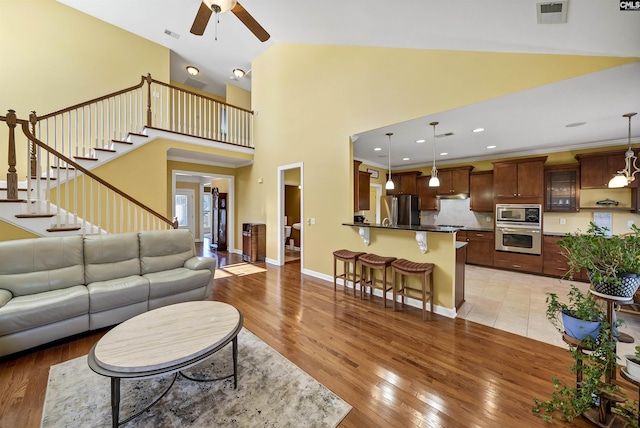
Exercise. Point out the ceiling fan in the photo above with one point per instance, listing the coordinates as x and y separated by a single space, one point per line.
208 7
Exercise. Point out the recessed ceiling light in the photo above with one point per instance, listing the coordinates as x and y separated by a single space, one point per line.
491 147
444 154
405 158
192 70
377 149
419 141
478 130
573 125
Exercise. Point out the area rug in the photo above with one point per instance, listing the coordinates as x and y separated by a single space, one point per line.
272 392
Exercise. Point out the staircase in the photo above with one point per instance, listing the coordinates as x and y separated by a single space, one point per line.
58 193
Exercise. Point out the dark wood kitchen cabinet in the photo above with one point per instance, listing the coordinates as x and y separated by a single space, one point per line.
361 184
555 259
481 191
597 168
522 178
562 188
481 247
427 200
454 180
404 183
518 262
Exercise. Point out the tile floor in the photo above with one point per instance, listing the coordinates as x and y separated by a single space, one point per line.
515 302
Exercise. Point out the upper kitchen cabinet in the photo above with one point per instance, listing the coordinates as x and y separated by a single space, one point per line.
404 183
481 191
597 168
361 184
427 200
522 178
454 181
562 188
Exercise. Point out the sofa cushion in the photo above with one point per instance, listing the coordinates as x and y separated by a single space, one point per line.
5 296
26 312
108 257
176 281
37 265
105 295
162 250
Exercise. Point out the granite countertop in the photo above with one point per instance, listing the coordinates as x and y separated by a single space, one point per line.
441 229
479 229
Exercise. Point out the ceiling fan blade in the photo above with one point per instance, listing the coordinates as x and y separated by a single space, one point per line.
202 19
250 23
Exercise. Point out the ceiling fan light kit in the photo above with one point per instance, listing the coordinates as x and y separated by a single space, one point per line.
628 174
389 185
220 6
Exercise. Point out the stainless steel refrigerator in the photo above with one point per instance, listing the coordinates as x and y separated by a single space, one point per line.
401 210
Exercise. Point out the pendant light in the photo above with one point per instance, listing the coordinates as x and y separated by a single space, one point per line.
434 181
626 176
389 185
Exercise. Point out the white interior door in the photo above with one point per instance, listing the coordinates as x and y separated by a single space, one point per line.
184 206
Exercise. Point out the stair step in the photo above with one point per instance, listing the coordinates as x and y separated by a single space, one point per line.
138 135
34 215
63 229
20 189
12 200
100 149
122 142
50 178
85 158
63 167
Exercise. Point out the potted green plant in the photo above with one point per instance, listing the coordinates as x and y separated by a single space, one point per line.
595 358
633 364
612 262
579 317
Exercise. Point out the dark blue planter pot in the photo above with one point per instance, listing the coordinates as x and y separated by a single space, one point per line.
579 329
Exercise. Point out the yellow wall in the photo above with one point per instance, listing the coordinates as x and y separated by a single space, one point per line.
338 91
9 232
236 96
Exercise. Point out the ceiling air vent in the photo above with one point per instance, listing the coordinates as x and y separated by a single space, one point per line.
195 83
172 34
446 134
552 13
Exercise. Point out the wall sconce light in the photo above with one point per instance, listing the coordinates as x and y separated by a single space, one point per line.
192 70
627 175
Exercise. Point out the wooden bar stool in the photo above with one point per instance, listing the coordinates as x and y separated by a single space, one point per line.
369 263
347 257
407 268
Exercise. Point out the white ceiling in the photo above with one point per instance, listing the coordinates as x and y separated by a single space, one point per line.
592 28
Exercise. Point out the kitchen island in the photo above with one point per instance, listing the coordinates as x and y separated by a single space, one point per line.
435 244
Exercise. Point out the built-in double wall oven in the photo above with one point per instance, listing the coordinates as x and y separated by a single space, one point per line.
519 228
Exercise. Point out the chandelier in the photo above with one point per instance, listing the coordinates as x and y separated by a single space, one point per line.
627 175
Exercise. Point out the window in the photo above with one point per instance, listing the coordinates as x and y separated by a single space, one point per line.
182 210
206 210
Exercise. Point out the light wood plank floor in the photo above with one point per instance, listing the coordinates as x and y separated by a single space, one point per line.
393 368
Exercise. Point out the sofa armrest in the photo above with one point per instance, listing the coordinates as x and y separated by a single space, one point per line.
199 263
5 296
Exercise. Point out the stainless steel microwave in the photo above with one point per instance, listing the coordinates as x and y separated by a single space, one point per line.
524 215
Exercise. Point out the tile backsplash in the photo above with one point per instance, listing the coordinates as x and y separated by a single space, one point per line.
456 212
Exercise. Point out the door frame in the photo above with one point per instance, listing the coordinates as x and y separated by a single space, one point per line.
231 231
281 211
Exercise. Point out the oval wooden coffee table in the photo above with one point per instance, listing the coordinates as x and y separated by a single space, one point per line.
164 341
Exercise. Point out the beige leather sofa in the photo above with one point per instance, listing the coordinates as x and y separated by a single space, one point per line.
52 288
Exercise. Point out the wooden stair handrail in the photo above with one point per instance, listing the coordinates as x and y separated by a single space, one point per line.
152 80
10 118
148 79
